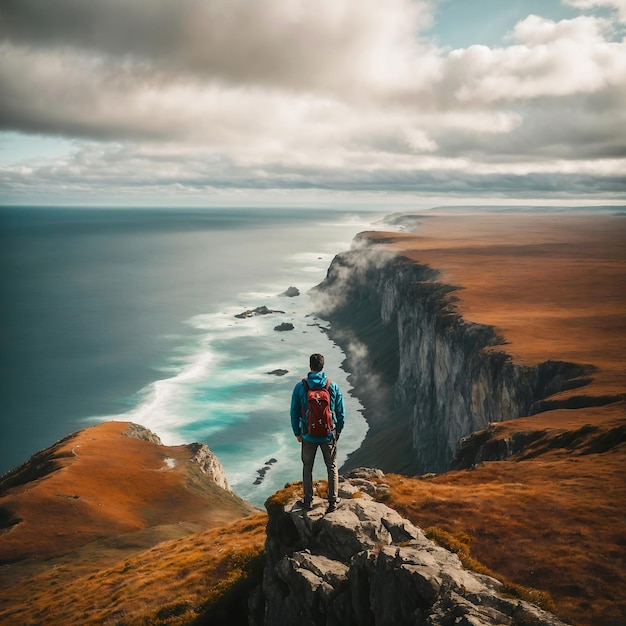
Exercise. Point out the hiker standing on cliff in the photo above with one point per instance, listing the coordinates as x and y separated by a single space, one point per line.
317 418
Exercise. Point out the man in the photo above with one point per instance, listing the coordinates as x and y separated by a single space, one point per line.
316 379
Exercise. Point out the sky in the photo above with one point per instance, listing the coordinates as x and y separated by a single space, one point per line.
301 102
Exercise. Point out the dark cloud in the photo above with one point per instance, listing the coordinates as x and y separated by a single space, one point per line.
274 42
584 127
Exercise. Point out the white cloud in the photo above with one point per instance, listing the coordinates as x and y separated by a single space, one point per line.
617 5
552 59
212 94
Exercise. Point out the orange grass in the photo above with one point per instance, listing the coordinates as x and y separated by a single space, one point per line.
171 583
105 484
292 491
87 516
554 523
554 285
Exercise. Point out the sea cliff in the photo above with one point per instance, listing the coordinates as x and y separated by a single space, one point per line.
427 376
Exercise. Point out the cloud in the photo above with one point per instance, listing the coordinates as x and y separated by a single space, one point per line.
116 172
285 43
617 5
208 95
549 59
204 70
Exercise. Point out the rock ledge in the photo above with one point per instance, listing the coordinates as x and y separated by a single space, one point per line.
365 564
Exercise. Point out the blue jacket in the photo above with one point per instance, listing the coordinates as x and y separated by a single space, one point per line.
316 380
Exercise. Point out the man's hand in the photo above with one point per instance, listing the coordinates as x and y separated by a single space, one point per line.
299 438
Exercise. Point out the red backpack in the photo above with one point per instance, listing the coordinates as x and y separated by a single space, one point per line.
316 412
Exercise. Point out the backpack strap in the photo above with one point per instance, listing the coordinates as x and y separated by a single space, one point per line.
303 406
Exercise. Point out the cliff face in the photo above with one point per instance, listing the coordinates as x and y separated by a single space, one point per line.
208 464
365 564
427 377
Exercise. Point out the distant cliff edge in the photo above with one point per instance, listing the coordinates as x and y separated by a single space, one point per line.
426 377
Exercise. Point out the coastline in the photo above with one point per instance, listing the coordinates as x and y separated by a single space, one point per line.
540 497
130 315
495 267
551 287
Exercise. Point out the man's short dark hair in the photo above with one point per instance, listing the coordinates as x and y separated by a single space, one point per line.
316 362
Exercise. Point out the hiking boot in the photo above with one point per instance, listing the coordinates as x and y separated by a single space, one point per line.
305 504
332 506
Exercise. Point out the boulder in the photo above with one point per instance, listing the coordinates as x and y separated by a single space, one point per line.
284 326
291 292
141 432
260 310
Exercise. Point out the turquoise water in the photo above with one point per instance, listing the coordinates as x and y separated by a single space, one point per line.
130 315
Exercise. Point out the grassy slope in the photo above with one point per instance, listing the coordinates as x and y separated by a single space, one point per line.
91 501
553 522
172 583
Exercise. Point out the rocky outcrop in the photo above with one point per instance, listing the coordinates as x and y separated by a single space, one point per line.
426 377
209 464
284 327
364 564
291 292
141 432
489 444
260 310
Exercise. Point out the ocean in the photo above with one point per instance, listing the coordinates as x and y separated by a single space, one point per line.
129 314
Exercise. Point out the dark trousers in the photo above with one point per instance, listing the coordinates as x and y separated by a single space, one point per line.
329 451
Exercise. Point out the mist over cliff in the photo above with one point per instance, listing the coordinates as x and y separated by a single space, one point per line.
426 376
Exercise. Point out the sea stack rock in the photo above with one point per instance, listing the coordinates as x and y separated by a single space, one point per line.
278 372
365 564
284 326
260 310
291 292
